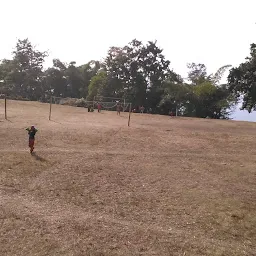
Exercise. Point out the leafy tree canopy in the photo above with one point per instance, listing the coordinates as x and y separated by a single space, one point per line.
242 81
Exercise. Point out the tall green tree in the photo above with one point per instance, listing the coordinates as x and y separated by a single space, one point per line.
116 65
27 73
88 71
197 73
55 80
203 96
137 72
175 97
97 85
156 69
209 97
7 76
75 81
68 80
242 81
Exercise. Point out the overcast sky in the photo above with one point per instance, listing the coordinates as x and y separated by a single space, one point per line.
213 32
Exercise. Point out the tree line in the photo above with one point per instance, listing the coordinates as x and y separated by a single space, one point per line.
138 72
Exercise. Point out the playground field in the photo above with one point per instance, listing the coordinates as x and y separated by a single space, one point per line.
163 186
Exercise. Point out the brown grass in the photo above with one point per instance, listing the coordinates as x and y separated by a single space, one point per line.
164 186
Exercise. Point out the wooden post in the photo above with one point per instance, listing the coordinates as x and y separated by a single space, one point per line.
5 107
130 110
50 112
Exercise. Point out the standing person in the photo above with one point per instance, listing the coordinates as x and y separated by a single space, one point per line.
118 108
142 109
99 107
31 141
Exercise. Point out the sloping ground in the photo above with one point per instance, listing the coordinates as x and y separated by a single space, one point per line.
96 187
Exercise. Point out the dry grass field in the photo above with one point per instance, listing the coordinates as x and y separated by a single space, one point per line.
163 186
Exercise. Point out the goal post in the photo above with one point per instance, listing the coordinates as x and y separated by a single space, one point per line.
50 112
130 111
4 98
109 99
5 107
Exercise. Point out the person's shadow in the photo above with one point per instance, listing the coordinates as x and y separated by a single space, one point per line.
37 157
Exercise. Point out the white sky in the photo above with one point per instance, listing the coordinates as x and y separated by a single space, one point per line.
213 32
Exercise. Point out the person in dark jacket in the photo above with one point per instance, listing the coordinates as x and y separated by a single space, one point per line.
31 134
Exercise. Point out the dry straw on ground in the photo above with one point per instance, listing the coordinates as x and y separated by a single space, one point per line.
164 186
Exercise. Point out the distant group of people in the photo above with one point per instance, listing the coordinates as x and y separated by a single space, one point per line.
99 107
171 113
141 109
91 107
